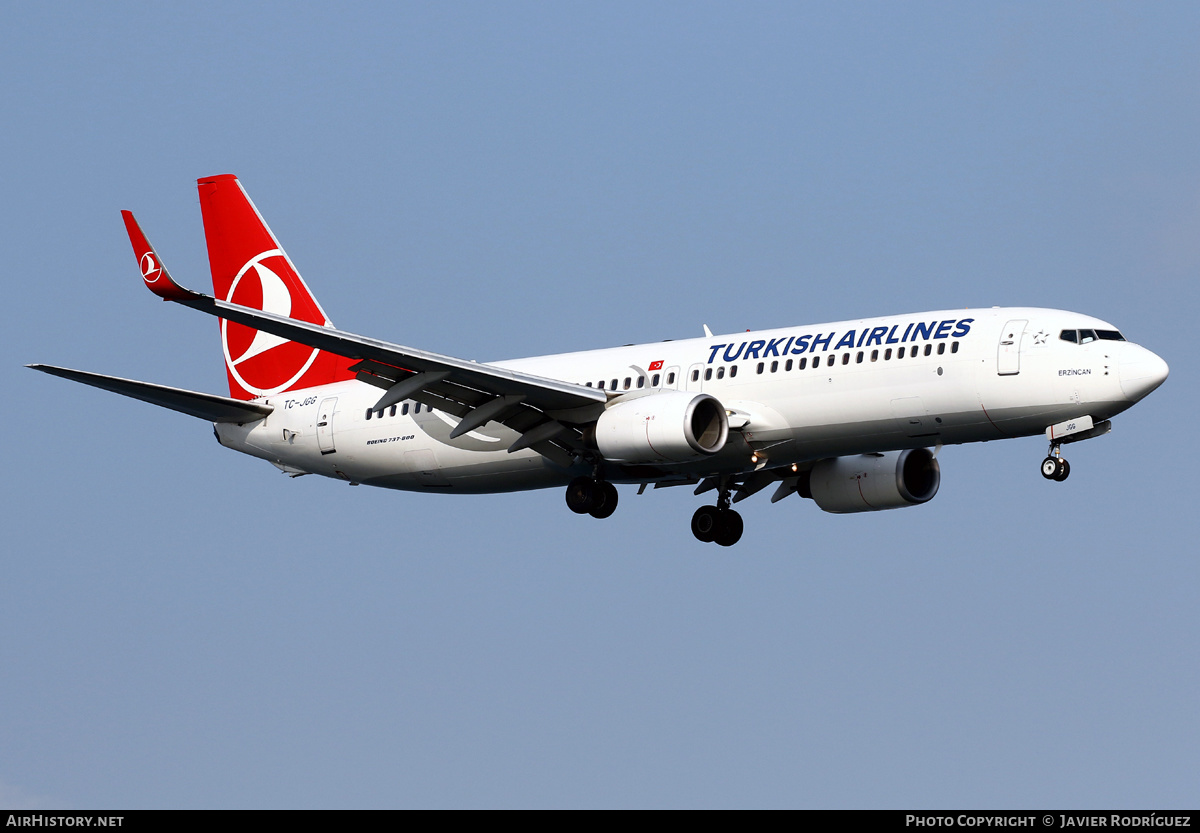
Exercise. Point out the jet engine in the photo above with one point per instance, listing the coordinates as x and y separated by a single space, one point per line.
666 427
869 482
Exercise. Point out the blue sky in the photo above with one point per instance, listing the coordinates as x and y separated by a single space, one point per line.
184 627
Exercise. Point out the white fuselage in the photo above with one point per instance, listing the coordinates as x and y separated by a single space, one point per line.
965 376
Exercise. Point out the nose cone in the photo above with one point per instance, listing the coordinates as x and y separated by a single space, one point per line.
1141 373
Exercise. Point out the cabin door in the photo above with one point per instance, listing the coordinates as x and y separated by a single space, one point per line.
1008 352
325 425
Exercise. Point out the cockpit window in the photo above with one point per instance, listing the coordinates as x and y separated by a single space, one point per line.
1084 336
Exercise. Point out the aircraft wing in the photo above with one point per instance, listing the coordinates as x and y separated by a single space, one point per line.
203 405
540 409
383 358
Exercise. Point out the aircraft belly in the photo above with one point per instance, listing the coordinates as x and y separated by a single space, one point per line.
480 477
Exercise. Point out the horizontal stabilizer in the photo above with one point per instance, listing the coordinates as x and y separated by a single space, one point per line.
206 406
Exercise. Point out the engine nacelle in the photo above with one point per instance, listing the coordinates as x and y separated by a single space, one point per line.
869 482
667 427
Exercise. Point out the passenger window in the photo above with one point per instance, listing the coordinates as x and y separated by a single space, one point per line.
954 347
732 371
614 384
804 363
392 411
774 366
589 384
600 384
369 412
404 409
641 381
707 373
846 358
760 367
941 348
654 382
816 361
928 349
695 375
417 408
899 352
627 381
874 355
860 357
788 366
721 372
887 355
670 378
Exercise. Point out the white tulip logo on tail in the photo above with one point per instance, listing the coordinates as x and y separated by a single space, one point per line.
150 268
264 364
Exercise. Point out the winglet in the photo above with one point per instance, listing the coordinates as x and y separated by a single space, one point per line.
156 276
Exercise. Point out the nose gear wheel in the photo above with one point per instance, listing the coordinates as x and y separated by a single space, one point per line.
1055 466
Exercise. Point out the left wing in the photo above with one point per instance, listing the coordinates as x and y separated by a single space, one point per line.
544 411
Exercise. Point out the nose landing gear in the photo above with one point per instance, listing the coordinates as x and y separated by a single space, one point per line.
1055 466
718 524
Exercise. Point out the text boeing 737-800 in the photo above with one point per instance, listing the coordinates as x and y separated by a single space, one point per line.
843 413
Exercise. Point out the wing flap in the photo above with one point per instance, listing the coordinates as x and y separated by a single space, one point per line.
206 406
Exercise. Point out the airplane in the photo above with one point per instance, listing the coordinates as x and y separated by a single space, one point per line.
849 414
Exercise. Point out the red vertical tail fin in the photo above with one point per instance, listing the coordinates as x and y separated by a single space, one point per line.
250 268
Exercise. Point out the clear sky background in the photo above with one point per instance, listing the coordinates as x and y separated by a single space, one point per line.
181 626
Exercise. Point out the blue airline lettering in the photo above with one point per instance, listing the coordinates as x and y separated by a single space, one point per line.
846 341
809 343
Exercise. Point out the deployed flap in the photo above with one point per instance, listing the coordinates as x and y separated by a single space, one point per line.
203 405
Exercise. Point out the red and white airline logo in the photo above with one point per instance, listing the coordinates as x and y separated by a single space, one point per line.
150 268
262 363
656 365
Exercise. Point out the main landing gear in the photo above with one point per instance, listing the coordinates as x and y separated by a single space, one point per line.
589 496
718 524
1055 466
